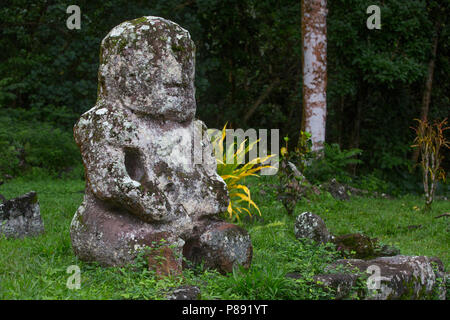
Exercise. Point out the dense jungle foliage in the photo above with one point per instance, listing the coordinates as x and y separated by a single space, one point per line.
248 72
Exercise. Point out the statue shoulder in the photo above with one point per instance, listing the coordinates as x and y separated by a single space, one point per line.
102 122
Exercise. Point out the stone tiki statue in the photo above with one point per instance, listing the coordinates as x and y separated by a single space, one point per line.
143 188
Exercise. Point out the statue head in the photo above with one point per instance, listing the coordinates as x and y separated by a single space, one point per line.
148 65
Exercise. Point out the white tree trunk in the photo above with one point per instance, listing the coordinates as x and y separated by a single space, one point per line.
314 38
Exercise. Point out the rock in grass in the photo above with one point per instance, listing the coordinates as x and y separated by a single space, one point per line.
20 217
337 190
310 226
356 245
218 245
398 277
359 246
184 293
151 174
341 191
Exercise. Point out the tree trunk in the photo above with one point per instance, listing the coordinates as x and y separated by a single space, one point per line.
428 86
314 64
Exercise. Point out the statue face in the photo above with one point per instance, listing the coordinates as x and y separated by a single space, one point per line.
148 66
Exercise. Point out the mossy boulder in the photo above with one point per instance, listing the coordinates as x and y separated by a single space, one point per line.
360 246
310 226
387 278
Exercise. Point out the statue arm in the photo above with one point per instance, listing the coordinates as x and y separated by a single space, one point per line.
109 178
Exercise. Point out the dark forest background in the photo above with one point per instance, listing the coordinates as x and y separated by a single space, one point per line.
248 73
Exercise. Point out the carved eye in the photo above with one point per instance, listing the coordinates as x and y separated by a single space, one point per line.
170 187
134 164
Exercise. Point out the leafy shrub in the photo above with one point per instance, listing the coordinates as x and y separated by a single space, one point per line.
333 164
292 185
373 183
301 154
30 145
233 172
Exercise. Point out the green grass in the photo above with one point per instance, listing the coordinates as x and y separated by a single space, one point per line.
35 268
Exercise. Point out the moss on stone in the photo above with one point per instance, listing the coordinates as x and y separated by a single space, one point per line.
177 48
138 21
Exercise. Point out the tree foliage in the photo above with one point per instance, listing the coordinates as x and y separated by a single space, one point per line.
248 65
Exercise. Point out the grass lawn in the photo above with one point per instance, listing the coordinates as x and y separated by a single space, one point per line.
35 268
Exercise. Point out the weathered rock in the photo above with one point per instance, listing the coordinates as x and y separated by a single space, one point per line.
20 217
356 245
219 245
360 246
310 226
398 277
184 293
341 191
163 261
337 190
141 148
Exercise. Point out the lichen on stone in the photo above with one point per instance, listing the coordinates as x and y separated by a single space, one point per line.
137 149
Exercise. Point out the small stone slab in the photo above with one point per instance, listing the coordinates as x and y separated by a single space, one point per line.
399 277
20 217
184 293
310 226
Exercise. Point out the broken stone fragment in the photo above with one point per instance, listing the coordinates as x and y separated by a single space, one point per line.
184 293
391 278
359 246
337 190
218 245
356 245
20 217
310 226
138 143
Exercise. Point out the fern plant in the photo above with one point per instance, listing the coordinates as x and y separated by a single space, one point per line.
234 171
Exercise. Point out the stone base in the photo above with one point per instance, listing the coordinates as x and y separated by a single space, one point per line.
112 237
